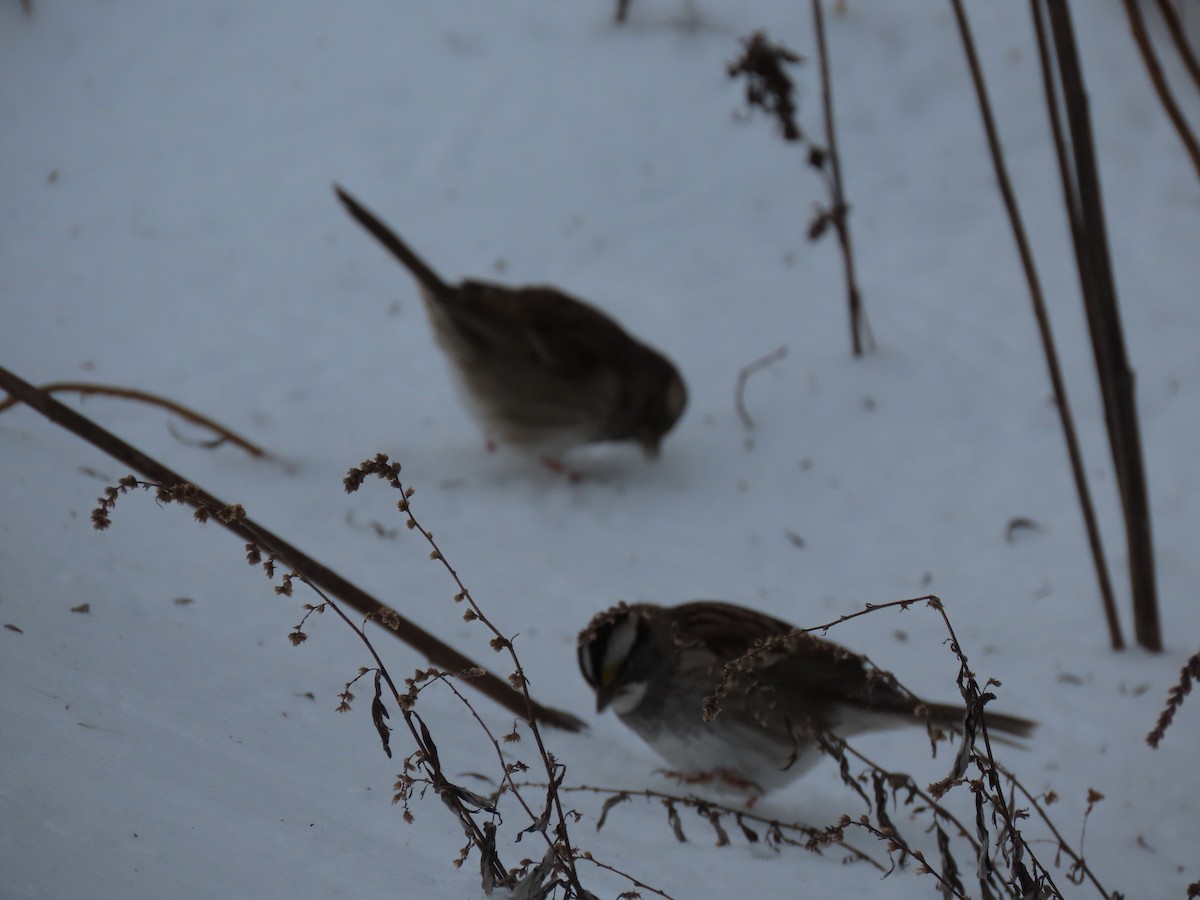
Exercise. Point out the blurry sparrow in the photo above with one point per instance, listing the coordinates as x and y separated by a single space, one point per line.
658 667
542 370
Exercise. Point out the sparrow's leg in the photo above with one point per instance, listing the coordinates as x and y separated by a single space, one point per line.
723 778
558 466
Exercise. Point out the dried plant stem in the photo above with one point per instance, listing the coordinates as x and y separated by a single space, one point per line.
987 788
1188 675
1137 25
519 684
1175 26
427 757
740 814
421 737
423 642
859 329
1078 863
637 884
552 788
990 770
108 390
1085 215
770 88
464 804
739 394
1043 322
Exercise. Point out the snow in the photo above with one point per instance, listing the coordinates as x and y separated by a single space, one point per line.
166 171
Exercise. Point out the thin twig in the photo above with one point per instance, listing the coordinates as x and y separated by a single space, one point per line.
1154 69
437 652
638 884
108 390
858 319
1175 26
739 397
1047 336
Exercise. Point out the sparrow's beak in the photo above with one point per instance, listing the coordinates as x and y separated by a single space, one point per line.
604 690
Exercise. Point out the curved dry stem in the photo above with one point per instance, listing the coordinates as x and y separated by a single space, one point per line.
86 388
1137 26
1179 37
739 393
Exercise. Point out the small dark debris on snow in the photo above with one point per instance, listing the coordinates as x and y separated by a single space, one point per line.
1017 524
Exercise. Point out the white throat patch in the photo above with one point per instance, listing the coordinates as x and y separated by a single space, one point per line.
629 698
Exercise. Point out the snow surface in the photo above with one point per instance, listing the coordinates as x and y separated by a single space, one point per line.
165 170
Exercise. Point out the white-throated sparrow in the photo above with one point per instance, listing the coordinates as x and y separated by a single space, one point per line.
660 667
542 370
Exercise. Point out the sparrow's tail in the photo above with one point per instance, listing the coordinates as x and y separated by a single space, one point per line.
950 715
428 278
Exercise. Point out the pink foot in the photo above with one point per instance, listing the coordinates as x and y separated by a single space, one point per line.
724 778
561 468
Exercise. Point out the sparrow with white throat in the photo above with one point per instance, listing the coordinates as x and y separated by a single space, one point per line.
669 674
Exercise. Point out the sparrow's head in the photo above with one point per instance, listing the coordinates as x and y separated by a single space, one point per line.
617 658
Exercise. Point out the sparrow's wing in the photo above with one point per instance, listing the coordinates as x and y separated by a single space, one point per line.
802 661
725 630
540 325
765 655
